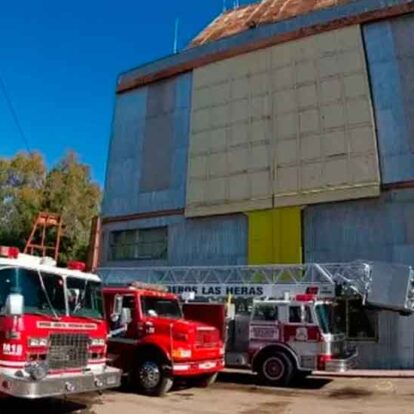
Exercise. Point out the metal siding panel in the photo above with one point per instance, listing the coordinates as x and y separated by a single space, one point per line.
159 130
203 242
391 65
379 229
147 165
209 241
275 236
292 125
121 187
174 107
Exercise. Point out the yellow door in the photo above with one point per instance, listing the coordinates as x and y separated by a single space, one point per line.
275 236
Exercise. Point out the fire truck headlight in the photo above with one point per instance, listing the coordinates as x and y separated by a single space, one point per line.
37 370
181 353
98 342
38 342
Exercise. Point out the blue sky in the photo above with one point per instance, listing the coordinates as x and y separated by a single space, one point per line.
60 61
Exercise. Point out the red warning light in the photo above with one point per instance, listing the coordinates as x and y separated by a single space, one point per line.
73 265
9 252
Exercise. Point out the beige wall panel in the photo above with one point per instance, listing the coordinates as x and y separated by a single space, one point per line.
287 125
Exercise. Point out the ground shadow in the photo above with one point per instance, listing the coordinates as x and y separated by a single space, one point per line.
74 404
248 378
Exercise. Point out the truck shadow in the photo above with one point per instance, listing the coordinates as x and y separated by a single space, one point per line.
50 405
248 378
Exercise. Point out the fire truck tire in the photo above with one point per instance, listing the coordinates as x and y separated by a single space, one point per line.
275 369
152 378
206 380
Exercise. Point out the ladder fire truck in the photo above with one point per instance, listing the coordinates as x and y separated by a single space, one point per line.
289 328
52 328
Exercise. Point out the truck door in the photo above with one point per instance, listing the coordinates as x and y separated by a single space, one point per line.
301 333
123 340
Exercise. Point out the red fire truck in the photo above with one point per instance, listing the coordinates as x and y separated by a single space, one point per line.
287 324
153 344
285 337
52 329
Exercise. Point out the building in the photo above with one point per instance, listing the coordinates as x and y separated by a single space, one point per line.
284 133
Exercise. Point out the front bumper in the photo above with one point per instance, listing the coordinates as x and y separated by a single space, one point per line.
56 385
342 363
193 368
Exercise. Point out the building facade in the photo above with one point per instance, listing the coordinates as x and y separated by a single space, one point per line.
283 134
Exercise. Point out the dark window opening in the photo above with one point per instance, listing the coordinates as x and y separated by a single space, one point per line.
358 322
141 244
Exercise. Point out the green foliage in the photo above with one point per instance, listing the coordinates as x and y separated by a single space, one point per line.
27 188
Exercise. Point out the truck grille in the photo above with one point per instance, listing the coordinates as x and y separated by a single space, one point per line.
68 351
207 338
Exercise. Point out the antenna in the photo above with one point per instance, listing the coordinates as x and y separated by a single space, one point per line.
224 5
177 23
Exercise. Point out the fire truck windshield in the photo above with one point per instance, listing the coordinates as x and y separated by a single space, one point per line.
84 298
326 318
161 307
43 293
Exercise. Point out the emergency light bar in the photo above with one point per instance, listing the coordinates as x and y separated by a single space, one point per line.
148 286
9 252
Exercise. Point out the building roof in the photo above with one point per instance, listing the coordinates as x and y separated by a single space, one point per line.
253 15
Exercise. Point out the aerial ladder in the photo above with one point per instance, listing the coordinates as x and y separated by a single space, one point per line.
385 286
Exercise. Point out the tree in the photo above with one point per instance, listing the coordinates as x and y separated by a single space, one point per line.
68 191
21 194
26 188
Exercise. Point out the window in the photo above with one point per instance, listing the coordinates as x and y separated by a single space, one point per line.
161 307
85 298
142 244
358 322
43 293
295 314
265 312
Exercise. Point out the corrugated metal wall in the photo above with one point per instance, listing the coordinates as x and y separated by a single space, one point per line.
377 229
220 240
390 54
147 164
275 236
122 175
287 125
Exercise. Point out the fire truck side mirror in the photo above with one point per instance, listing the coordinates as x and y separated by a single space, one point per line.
117 308
15 304
126 317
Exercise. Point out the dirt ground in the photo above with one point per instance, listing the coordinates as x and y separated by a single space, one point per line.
237 393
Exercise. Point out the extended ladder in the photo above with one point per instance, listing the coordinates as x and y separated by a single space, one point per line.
383 285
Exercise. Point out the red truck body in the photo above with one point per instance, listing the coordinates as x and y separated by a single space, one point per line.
52 329
154 344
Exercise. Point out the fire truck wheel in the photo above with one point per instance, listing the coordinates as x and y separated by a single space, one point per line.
152 378
276 369
206 380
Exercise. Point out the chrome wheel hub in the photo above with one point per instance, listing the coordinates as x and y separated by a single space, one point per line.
273 369
149 374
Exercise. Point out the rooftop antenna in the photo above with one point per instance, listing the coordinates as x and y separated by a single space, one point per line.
177 24
236 4
224 5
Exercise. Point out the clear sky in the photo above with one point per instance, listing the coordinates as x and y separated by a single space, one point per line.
60 59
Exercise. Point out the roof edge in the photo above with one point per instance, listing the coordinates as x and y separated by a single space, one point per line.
332 18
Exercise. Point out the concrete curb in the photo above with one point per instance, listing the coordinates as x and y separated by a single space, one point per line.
367 373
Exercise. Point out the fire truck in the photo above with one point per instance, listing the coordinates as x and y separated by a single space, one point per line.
288 328
152 342
52 328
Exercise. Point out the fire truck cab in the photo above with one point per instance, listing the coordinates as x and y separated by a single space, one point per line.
52 329
152 342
